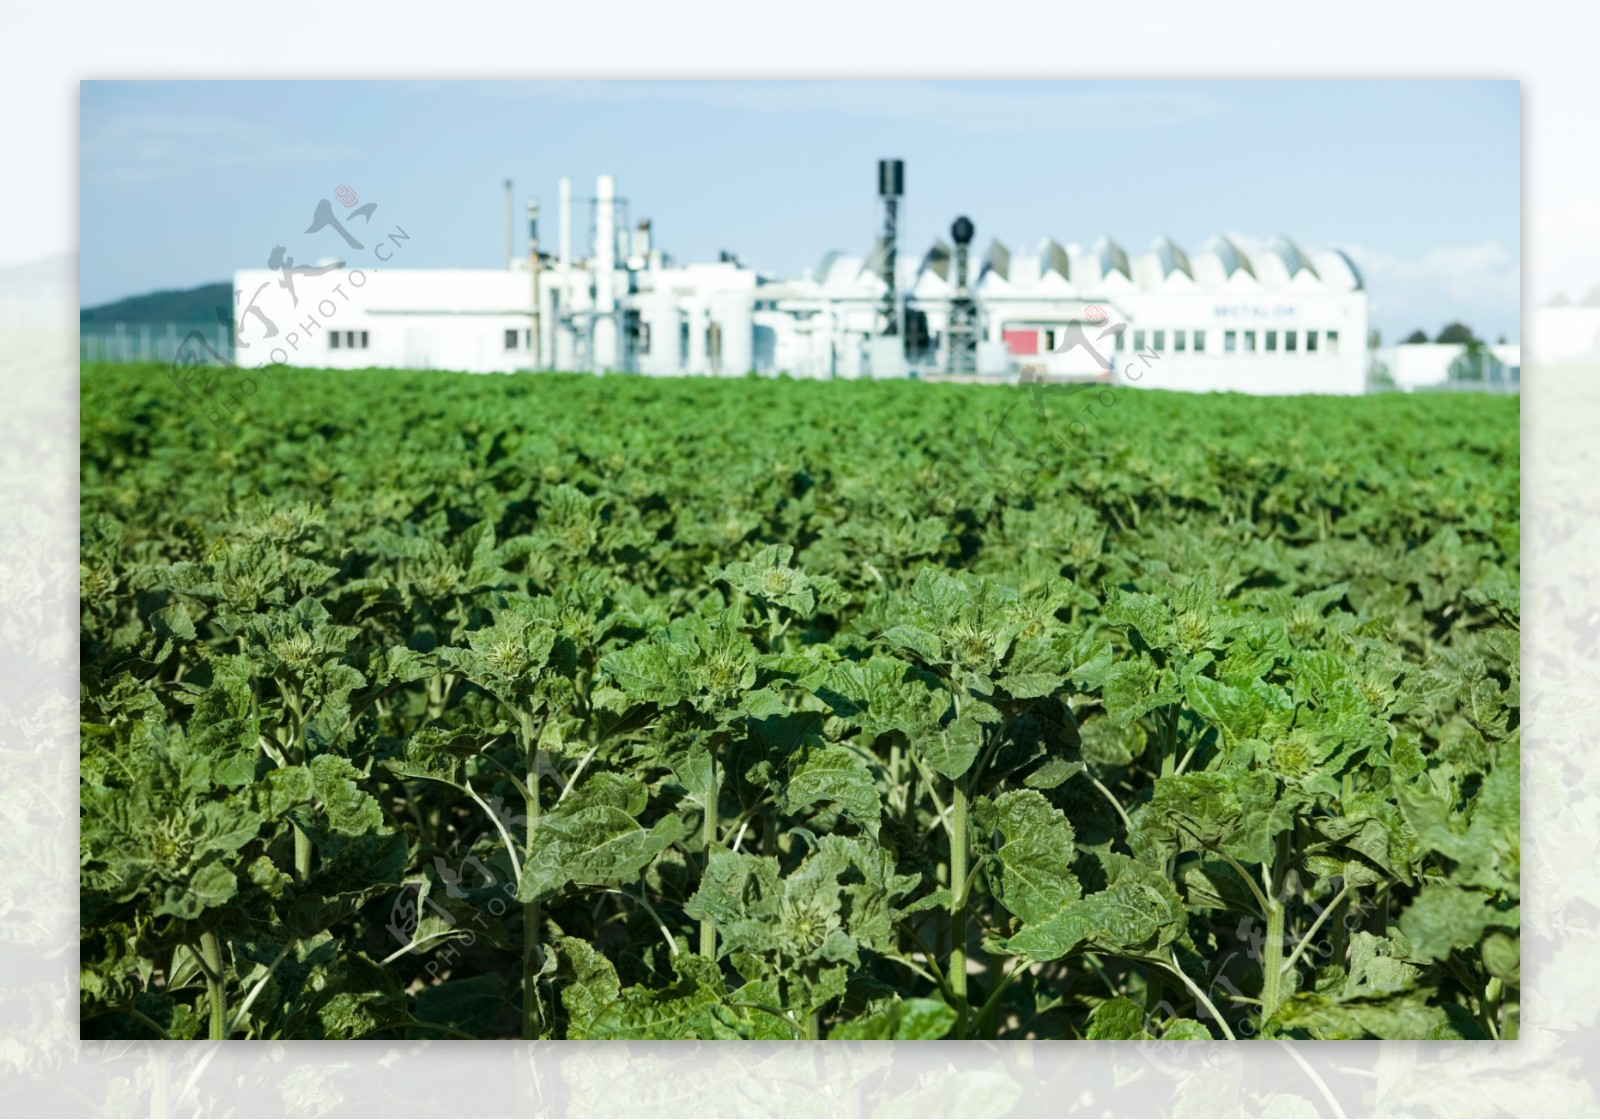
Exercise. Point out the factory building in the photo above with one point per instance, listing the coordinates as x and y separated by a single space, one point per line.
1233 314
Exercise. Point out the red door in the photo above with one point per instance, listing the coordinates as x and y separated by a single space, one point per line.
1021 342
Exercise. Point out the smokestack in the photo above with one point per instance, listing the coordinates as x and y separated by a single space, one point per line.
605 265
510 257
564 205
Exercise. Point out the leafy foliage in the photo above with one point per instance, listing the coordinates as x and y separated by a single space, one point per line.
418 706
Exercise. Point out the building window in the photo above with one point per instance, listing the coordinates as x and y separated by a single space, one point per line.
363 340
1121 333
1138 340
1311 341
1250 341
353 340
644 338
1333 342
1180 340
1230 341
1160 342
1289 341
1199 342
1272 340
1049 341
511 339
333 340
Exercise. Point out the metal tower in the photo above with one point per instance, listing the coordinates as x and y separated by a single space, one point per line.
891 185
961 352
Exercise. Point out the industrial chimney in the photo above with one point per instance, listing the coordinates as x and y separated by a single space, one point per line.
605 355
961 351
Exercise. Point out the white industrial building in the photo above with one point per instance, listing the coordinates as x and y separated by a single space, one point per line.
1441 365
1234 314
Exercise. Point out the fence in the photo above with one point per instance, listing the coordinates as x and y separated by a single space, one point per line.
146 342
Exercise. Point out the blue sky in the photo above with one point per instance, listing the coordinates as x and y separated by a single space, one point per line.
183 182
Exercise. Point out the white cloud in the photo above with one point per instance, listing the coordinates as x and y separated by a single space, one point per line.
968 106
1461 282
138 146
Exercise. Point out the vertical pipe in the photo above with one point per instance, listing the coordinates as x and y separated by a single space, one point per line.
536 335
565 216
510 260
605 265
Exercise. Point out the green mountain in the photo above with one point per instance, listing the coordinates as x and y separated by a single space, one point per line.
193 305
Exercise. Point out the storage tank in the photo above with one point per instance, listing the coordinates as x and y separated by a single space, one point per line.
662 324
734 313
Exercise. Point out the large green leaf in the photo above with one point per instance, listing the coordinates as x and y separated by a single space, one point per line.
1031 866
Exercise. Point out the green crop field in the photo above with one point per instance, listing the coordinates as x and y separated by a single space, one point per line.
424 705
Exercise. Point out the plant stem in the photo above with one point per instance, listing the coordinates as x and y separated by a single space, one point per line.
1115 804
1305 941
708 932
983 1023
1169 741
302 855
532 1025
1273 964
957 971
211 957
1493 992
1195 990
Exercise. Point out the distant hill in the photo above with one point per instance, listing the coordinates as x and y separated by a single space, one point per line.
193 305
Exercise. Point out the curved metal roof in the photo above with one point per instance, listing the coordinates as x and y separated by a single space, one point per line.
1111 258
829 259
1232 257
998 260
1291 256
1172 258
1053 258
1355 273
